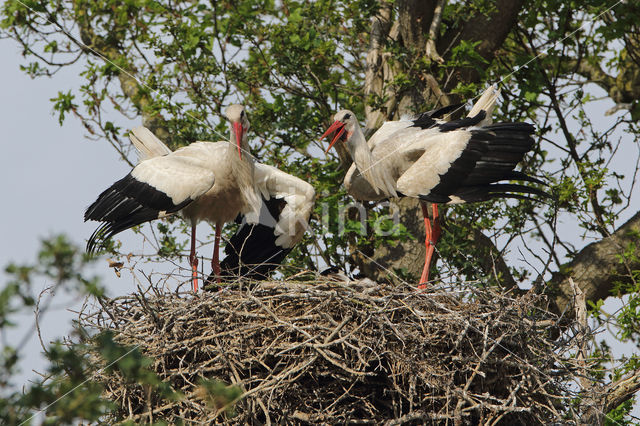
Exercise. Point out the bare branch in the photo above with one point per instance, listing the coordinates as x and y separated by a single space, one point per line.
430 49
599 266
621 391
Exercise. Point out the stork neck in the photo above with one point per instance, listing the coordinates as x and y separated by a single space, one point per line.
232 153
363 158
242 168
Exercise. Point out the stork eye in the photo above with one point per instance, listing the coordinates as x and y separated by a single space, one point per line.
347 116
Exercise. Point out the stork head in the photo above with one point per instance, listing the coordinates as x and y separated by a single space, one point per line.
343 127
239 124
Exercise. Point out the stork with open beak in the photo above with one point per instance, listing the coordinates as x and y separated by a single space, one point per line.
427 158
212 181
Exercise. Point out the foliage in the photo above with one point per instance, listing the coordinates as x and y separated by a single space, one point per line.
62 264
219 395
293 63
68 392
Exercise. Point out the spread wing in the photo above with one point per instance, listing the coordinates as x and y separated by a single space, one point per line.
469 164
155 188
268 233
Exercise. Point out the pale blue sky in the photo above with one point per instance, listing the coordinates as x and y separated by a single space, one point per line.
49 174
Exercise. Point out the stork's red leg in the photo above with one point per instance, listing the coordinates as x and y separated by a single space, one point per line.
437 229
193 260
427 261
432 234
215 261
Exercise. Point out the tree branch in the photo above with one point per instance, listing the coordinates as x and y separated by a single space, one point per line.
607 398
430 49
599 266
491 261
490 30
375 75
622 89
572 144
415 18
108 50
621 391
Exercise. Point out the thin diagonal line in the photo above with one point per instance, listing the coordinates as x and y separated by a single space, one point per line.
207 125
138 80
76 387
516 69
254 267
520 359
386 269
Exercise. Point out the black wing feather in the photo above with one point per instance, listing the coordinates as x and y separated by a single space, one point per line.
463 122
252 251
426 120
490 156
125 204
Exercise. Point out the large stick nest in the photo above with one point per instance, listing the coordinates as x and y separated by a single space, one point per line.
342 353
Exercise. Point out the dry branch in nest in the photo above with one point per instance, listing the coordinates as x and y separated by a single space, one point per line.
343 353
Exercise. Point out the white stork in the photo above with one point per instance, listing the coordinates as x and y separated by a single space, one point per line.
213 181
427 158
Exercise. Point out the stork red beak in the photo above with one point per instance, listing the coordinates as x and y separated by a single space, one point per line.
237 127
338 127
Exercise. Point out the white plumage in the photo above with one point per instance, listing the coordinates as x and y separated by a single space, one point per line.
212 181
433 160
185 173
147 144
298 196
